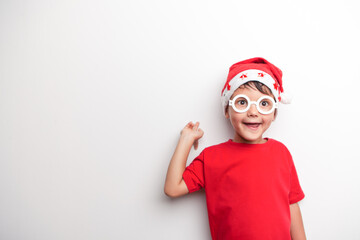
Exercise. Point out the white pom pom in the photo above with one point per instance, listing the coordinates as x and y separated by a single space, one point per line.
286 98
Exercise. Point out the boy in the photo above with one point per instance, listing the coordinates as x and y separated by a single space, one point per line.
251 184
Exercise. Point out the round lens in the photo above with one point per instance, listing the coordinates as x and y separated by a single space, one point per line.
240 103
266 105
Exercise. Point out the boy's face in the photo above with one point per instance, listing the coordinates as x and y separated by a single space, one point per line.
249 126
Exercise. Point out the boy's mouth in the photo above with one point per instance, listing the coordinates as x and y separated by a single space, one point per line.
252 126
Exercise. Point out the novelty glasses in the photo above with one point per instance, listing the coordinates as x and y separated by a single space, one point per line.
241 103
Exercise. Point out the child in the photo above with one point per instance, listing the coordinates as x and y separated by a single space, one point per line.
251 184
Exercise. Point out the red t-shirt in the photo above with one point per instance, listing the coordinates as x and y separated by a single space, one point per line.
248 187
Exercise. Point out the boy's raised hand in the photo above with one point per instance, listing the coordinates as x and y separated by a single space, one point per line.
192 132
175 185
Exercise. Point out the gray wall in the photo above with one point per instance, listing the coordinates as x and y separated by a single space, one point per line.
93 95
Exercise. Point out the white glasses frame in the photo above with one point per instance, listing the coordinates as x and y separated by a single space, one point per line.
232 104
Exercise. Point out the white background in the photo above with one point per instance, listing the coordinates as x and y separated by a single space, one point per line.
93 95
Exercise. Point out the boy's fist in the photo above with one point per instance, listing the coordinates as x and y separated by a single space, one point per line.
193 132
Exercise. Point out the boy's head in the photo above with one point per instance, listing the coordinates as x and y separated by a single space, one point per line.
254 69
250 97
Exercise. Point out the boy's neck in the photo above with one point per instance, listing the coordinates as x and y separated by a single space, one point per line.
239 139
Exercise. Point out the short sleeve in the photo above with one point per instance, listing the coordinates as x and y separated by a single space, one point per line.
296 193
194 174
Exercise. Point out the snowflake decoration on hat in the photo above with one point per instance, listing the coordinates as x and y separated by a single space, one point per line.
276 86
243 76
228 86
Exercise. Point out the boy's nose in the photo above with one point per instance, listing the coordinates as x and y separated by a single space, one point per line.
253 110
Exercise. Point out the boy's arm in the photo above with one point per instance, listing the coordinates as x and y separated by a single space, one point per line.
297 230
174 183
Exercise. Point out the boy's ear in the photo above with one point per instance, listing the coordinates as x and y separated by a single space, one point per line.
227 112
275 114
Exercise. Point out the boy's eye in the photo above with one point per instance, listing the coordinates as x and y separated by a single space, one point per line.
264 103
242 102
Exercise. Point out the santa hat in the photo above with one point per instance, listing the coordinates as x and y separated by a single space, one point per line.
254 69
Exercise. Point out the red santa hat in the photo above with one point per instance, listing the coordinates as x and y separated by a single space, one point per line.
254 69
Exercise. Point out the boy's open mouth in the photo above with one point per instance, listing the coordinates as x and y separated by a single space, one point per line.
253 126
